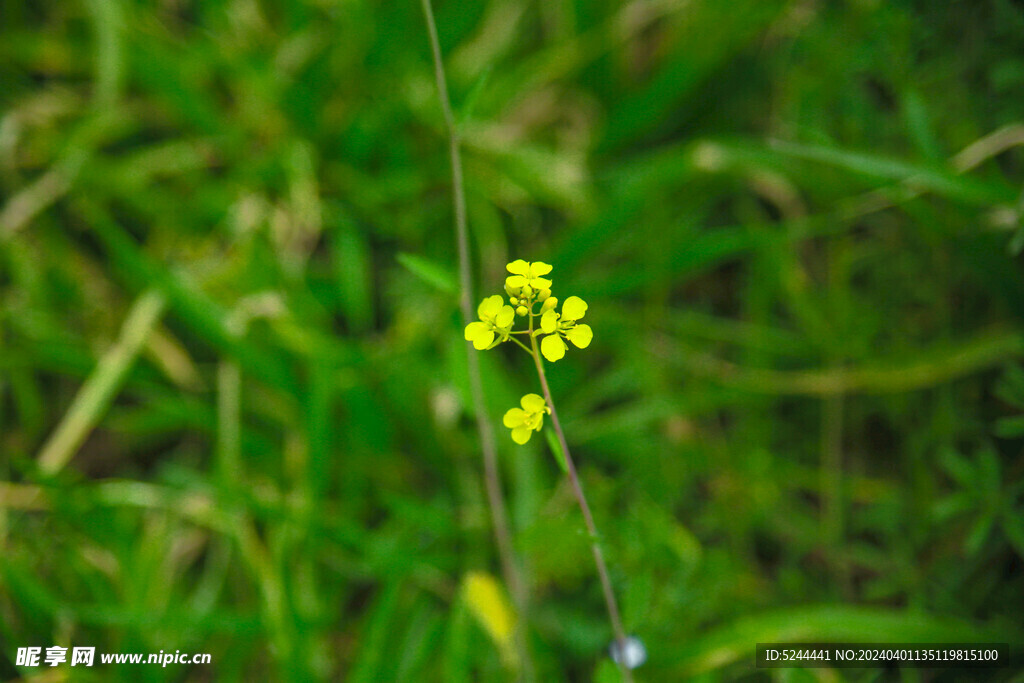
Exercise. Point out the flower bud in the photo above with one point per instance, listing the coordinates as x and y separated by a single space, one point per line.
512 300
549 304
544 294
527 291
522 310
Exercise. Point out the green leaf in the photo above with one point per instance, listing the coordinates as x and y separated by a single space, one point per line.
933 178
1011 385
430 272
957 467
373 662
919 125
979 533
556 450
1013 527
466 111
353 275
1010 427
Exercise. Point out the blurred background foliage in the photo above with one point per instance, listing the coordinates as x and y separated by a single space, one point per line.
233 398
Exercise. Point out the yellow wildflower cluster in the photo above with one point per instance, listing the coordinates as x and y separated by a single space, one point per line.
529 297
527 287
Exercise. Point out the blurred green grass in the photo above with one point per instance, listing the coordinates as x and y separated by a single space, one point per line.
798 225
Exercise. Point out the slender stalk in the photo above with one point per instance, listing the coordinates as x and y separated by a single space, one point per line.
492 476
521 344
574 480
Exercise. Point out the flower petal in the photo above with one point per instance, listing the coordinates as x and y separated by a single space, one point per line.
515 281
580 336
540 283
505 316
574 308
538 268
474 330
521 435
519 267
552 347
533 403
489 307
549 322
515 417
483 340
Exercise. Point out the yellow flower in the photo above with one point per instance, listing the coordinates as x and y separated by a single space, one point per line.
527 275
526 420
496 319
489 604
556 326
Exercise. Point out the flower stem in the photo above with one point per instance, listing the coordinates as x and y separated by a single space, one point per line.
577 488
492 475
521 344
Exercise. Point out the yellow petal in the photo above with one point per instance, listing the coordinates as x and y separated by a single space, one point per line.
489 604
549 321
580 336
519 267
533 403
489 307
540 283
515 281
552 347
574 308
538 268
474 330
505 316
515 417
483 340
521 435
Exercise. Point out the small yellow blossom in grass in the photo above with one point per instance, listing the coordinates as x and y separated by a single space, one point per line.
496 319
527 275
526 420
556 326
487 602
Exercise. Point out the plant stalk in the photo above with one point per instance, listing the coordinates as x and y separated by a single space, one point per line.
588 518
492 475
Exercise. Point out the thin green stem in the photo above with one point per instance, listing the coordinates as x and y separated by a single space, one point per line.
523 346
492 476
588 518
